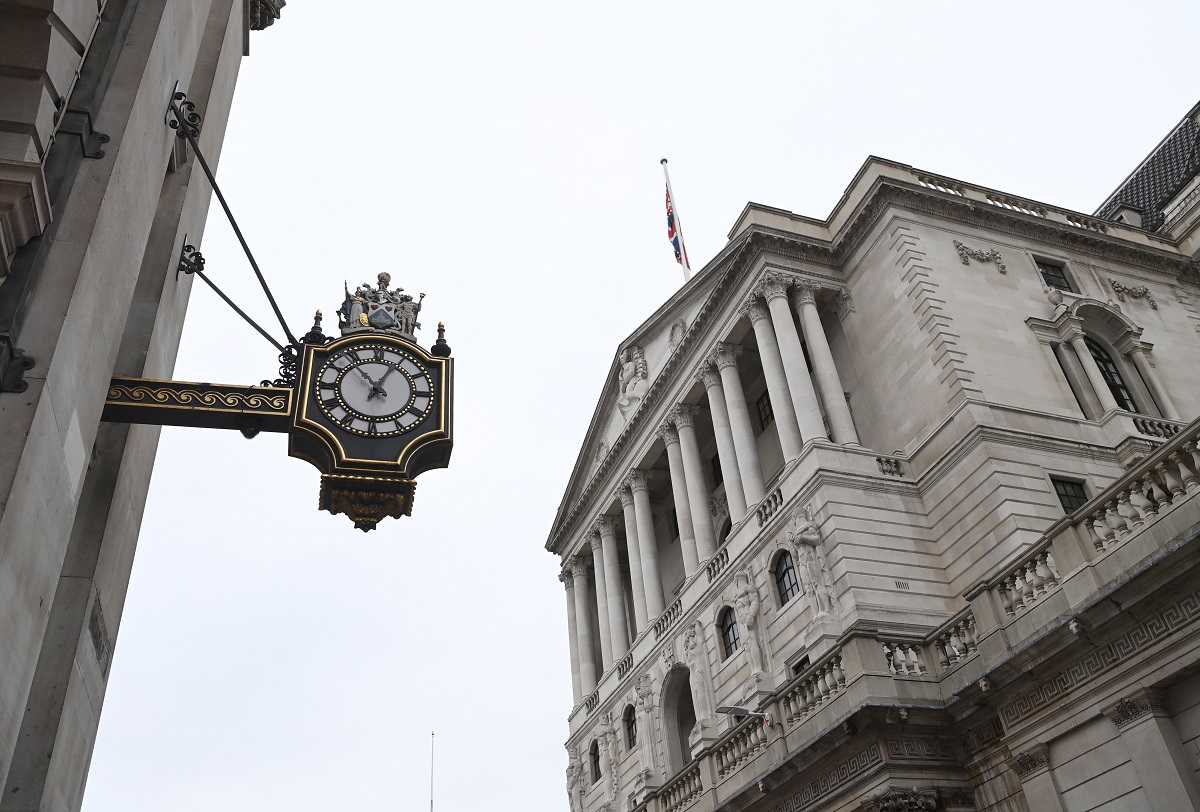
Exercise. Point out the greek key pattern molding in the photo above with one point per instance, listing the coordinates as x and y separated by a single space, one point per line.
1147 633
833 779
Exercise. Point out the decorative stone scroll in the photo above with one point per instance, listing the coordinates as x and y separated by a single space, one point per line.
634 381
968 254
1139 292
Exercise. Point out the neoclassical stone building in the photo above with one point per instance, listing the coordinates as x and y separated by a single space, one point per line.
97 195
918 481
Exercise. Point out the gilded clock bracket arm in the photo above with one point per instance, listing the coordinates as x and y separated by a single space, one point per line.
248 409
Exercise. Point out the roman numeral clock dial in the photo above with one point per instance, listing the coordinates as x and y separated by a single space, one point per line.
374 408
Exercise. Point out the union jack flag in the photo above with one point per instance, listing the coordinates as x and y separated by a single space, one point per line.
674 235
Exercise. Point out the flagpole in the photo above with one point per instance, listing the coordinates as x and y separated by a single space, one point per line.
687 268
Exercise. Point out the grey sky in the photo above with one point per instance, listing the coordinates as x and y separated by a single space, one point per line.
503 158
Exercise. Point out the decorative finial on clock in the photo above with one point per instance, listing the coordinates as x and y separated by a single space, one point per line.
314 334
440 348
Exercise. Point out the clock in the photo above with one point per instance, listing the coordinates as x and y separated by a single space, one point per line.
374 389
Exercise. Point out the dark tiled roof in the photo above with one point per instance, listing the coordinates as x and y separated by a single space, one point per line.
1160 177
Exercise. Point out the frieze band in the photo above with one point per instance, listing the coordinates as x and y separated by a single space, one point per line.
201 405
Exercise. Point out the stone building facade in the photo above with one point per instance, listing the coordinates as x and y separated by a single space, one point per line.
96 197
919 482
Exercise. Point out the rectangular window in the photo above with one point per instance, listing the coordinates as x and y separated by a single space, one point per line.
1054 275
766 415
798 667
718 477
1070 494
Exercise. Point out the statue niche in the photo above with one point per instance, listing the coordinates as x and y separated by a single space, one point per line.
634 380
812 570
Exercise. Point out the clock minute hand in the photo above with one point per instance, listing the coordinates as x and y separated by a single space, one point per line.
377 388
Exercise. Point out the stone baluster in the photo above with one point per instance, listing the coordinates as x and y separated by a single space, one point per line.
724 358
1186 475
583 614
647 542
726 449
637 581
1105 535
617 624
679 491
832 395
1172 482
773 370
683 416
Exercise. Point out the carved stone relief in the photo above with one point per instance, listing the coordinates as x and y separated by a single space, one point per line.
574 778
678 330
904 800
607 735
1139 292
812 570
968 254
634 381
747 606
646 727
695 656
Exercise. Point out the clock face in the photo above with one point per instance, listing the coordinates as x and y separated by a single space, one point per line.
375 390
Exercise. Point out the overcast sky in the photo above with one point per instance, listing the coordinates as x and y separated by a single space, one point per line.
503 158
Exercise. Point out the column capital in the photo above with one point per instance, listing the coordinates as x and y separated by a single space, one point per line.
567 577
625 494
805 291
639 480
754 307
668 433
684 415
593 542
577 566
725 355
1138 705
708 376
774 286
605 526
1031 762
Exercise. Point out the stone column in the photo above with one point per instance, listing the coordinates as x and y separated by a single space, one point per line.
836 408
697 487
726 451
1168 776
683 510
804 397
633 547
1140 355
725 360
587 659
1033 769
777 382
1107 402
572 634
602 611
647 542
1078 380
618 626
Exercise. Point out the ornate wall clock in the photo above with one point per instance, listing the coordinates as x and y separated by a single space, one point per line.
370 408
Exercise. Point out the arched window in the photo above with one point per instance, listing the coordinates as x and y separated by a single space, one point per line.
1112 375
730 638
724 534
785 578
595 759
630 727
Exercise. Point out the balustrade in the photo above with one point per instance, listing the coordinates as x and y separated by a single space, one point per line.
1140 500
814 688
904 659
1029 582
625 665
941 184
745 742
716 564
684 789
957 642
668 618
1016 204
1080 221
592 701
1152 427
769 506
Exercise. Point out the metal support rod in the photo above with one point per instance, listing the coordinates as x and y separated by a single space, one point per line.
186 129
239 311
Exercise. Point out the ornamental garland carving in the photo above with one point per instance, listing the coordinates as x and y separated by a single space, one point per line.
968 254
1139 292
634 380
904 800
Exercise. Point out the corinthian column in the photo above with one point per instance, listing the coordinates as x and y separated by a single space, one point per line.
683 510
572 634
647 542
633 547
583 624
726 452
804 397
725 359
836 408
777 384
697 487
602 615
617 625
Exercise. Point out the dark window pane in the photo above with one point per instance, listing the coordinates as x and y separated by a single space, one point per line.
729 632
718 477
630 727
1070 494
595 762
785 578
766 414
1112 376
1055 276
